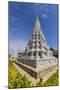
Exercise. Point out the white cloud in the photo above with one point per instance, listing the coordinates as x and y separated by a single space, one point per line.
17 45
44 15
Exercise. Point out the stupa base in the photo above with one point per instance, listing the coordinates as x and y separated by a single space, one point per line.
43 62
38 72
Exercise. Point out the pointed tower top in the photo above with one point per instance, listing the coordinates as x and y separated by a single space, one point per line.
37 22
37 26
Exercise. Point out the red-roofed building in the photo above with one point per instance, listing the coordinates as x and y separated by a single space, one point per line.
55 52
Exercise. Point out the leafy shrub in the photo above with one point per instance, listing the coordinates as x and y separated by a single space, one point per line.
16 80
40 83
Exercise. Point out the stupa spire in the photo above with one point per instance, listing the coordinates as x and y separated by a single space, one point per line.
37 25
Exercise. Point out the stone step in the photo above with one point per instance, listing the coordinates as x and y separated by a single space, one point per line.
38 73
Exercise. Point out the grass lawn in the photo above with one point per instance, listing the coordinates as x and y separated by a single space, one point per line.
53 80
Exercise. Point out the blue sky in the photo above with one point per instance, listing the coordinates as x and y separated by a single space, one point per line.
21 20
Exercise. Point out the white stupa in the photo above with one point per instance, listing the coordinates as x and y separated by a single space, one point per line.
37 52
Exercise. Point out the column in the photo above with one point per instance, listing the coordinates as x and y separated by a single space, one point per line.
37 55
32 54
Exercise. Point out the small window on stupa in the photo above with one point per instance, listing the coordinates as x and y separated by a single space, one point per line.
29 53
34 53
